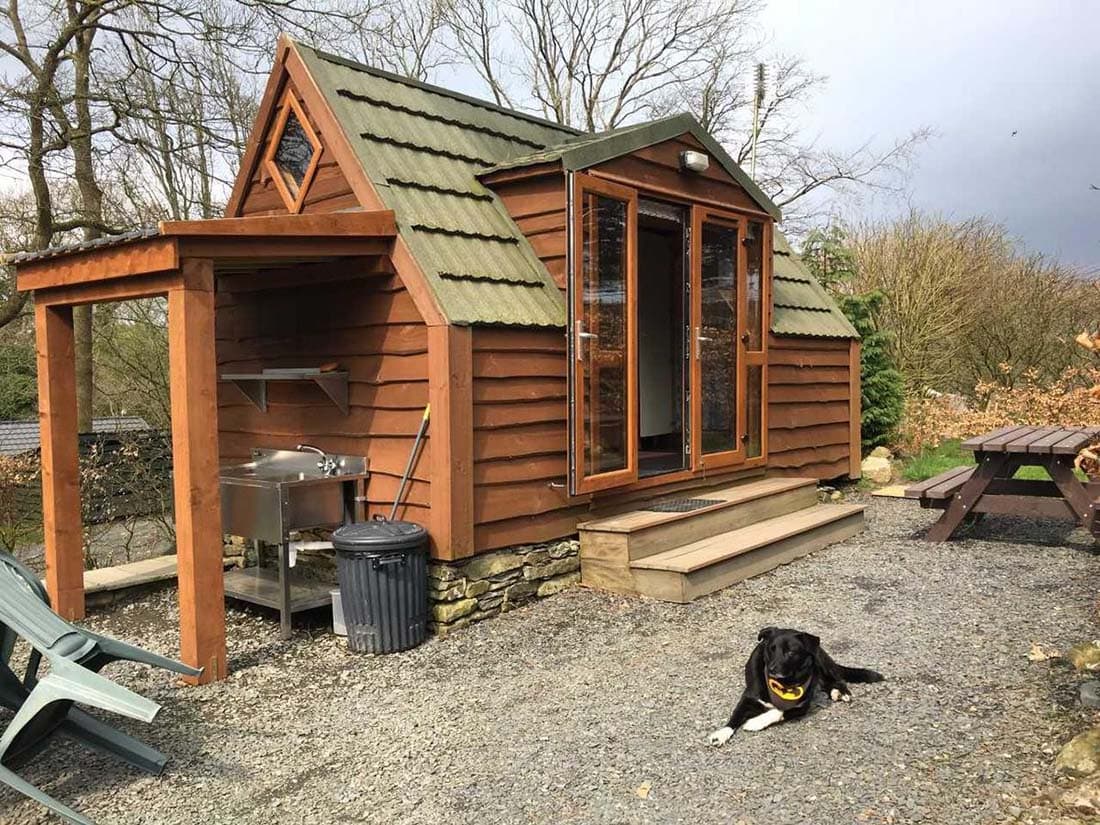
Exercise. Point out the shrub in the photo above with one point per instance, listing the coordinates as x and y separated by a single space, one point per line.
125 495
882 391
1064 402
962 298
827 255
19 503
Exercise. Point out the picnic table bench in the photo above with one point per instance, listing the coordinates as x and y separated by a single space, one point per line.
989 486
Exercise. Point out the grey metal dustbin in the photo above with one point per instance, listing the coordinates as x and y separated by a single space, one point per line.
383 571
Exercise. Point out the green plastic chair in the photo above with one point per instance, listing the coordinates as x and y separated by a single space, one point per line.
44 707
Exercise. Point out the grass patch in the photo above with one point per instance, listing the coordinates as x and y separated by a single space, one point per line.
931 461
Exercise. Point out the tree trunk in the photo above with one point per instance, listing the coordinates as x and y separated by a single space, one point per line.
91 207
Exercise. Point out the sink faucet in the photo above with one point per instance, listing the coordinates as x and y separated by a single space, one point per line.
327 465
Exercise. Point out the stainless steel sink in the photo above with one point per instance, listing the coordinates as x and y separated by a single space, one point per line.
277 492
284 490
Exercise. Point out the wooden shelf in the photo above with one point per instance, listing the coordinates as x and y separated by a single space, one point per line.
334 384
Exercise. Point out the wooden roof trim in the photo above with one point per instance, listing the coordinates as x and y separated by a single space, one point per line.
347 233
374 223
135 258
265 116
503 176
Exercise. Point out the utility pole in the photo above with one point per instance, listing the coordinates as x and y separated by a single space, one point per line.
757 101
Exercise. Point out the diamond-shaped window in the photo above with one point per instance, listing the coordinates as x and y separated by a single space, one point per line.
294 152
292 160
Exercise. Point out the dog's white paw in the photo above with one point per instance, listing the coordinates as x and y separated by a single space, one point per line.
721 737
837 696
764 720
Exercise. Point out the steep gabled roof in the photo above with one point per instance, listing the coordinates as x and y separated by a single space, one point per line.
589 150
424 147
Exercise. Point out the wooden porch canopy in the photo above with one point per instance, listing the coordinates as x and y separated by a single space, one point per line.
177 259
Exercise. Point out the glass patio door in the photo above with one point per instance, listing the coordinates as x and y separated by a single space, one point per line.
728 334
717 293
604 336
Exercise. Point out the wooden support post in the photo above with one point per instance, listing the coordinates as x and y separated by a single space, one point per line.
61 519
450 433
855 413
193 375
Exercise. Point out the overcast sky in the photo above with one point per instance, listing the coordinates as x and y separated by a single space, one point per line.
975 72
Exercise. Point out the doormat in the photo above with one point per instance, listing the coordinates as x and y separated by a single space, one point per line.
683 505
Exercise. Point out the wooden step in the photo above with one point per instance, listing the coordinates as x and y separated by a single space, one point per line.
641 533
700 567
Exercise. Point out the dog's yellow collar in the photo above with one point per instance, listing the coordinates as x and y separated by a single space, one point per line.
788 694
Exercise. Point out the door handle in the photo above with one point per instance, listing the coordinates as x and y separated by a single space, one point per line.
583 336
699 340
745 337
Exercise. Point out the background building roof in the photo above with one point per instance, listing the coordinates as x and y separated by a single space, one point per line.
17 437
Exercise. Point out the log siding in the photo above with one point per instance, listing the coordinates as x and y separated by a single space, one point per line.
810 407
370 328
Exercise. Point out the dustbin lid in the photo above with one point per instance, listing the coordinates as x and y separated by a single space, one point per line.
380 535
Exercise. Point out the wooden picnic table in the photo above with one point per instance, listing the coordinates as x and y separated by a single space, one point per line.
989 487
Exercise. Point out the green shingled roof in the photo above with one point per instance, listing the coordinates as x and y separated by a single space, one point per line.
800 305
589 150
423 147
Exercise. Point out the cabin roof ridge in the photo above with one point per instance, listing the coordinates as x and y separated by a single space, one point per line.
432 88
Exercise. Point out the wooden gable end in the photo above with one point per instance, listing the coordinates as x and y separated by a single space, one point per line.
656 169
535 196
258 191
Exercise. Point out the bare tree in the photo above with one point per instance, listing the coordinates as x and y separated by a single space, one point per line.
599 64
89 86
789 167
16 233
406 38
593 64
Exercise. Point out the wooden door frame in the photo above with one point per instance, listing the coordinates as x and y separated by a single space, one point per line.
759 358
701 215
581 484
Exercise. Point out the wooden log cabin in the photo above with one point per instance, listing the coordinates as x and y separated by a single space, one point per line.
614 340
599 322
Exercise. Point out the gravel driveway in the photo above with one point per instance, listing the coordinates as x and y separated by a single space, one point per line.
569 710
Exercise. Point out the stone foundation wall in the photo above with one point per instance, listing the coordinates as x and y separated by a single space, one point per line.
462 593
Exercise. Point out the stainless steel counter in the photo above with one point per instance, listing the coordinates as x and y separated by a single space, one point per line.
279 492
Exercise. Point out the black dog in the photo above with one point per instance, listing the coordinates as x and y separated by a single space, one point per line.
784 670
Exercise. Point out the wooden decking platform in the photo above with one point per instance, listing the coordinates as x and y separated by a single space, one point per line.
734 533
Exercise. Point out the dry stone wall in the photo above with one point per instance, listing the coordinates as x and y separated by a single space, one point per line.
462 593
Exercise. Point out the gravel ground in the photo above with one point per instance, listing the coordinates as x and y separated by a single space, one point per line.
569 710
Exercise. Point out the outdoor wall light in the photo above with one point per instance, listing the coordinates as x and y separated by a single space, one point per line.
694 161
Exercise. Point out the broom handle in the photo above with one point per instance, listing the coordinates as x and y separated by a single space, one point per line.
412 460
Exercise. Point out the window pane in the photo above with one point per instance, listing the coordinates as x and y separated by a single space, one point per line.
754 288
754 396
602 333
294 152
717 338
